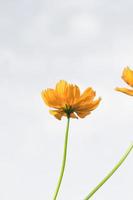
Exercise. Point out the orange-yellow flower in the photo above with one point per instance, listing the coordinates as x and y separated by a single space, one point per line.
127 76
67 100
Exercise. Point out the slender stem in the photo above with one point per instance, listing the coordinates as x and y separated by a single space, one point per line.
63 161
110 173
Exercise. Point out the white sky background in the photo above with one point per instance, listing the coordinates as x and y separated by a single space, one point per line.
85 42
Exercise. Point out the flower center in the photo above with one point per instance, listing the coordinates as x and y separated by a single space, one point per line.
68 110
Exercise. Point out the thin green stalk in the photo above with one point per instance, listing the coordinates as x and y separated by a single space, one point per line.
63 161
110 173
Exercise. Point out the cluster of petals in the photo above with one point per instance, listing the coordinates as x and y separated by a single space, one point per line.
66 100
127 76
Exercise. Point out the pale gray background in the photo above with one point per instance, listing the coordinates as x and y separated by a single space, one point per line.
85 42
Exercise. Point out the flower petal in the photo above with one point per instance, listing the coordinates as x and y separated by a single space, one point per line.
93 105
125 90
57 114
61 88
83 114
73 94
87 96
72 115
90 106
127 76
87 108
67 92
51 99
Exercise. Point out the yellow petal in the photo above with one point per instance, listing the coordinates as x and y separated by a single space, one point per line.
57 114
86 109
72 115
61 88
51 99
76 92
93 105
73 93
90 106
82 114
87 96
125 90
67 92
127 76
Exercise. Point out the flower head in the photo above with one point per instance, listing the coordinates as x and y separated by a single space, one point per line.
127 76
67 100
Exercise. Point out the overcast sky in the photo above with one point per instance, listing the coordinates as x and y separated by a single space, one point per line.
87 43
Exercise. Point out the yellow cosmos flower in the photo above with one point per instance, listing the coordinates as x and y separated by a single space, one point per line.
67 100
127 76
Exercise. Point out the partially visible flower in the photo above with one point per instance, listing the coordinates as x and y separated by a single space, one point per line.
127 76
67 100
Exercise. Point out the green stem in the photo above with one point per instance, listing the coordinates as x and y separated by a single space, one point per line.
63 161
110 173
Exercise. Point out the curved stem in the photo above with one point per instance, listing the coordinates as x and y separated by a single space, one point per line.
110 173
63 161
